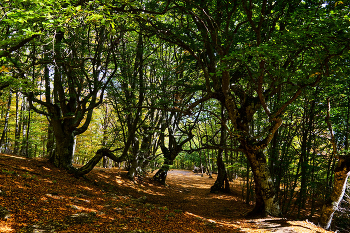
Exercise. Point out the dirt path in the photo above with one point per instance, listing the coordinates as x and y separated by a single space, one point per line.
190 192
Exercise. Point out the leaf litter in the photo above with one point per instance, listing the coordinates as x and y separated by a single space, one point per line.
42 198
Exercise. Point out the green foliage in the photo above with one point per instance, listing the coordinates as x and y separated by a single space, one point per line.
168 56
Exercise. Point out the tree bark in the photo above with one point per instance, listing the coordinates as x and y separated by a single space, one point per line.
169 156
63 154
266 201
50 144
141 156
307 128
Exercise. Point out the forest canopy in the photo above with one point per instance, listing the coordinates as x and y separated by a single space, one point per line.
253 89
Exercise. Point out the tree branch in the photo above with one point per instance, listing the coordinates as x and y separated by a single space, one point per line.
7 52
98 156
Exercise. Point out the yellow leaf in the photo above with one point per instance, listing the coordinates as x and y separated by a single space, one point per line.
317 73
4 69
339 2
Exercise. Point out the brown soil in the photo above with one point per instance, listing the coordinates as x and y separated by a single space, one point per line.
42 198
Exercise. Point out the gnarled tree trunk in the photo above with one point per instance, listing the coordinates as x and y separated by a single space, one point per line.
221 183
103 152
266 200
62 156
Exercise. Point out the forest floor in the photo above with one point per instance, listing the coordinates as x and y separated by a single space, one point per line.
42 198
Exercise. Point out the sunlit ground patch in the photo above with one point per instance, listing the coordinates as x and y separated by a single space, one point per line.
5 229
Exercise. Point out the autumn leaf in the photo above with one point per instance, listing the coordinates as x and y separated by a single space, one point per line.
338 3
4 69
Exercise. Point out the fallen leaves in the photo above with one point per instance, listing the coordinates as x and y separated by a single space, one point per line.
41 197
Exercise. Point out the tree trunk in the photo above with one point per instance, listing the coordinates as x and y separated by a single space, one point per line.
247 197
134 161
169 157
4 132
266 201
170 153
50 145
162 173
62 157
221 183
28 131
141 155
306 133
103 152
106 163
132 172
24 144
341 175
18 126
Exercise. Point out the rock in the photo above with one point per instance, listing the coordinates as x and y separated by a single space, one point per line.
80 218
4 213
81 201
75 207
41 229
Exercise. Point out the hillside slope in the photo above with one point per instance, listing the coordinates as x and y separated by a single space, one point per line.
37 197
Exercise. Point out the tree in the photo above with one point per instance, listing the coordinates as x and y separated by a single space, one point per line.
247 51
267 63
171 125
177 123
221 183
76 73
135 99
341 174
